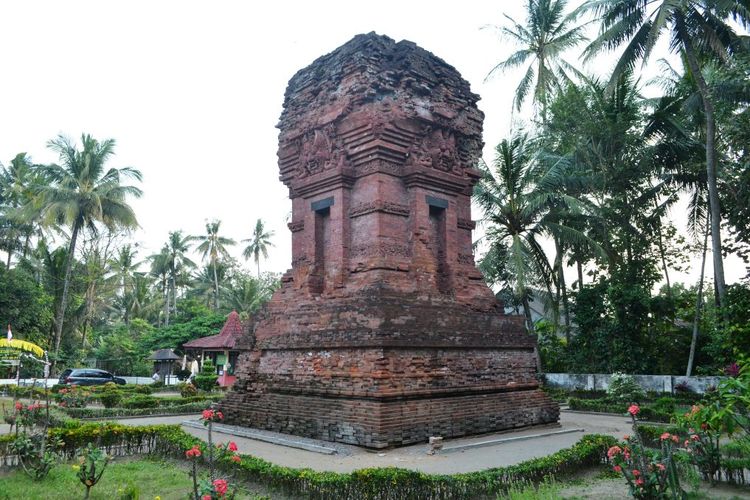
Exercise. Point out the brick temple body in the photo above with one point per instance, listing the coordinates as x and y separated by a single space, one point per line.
383 332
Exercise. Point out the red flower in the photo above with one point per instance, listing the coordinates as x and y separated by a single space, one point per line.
19 406
661 467
613 452
634 409
208 414
232 446
675 438
206 497
695 437
235 458
219 415
665 436
636 473
639 482
221 487
617 468
686 443
193 452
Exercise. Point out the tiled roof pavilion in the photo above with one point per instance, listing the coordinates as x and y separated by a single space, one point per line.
225 340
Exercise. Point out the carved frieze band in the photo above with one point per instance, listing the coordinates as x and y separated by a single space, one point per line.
466 258
297 225
466 224
379 206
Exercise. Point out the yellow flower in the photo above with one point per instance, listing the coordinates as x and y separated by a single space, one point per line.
75 467
157 497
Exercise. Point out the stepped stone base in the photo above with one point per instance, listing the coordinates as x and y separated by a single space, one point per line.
376 424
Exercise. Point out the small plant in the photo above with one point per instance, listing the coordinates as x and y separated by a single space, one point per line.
143 389
624 388
111 398
682 387
650 474
92 464
73 397
187 390
206 379
140 401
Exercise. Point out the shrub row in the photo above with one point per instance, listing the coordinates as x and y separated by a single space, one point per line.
374 483
653 414
195 407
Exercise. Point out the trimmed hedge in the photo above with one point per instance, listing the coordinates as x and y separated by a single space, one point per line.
196 407
647 412
374 483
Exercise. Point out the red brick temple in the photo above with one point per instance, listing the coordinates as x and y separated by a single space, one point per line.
383 332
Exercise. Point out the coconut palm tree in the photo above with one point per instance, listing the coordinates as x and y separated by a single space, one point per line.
698 29
522 200
176 248
213 247
82 193
259 244
160 271
547 34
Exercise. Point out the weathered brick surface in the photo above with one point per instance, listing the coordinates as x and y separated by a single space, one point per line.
383 332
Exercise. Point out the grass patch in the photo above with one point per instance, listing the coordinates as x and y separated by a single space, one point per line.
547 490
125 478
150 478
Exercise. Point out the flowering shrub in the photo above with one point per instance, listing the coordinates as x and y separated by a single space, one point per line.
650 474
702 442
73 397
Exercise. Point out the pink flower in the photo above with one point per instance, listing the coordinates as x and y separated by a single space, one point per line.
686 443
665 436
219 415
639 482
232 446
634 409
235 458
613 452
626 437
208 414
617 468
221 487
661 467
636 473
19 406
675 439
695 437
206 497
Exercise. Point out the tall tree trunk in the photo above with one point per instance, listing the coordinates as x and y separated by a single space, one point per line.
713 191
698 305
174 292
562 287
216 288
530 329
60 317
257 263
7 263
579 268
663 254
165 284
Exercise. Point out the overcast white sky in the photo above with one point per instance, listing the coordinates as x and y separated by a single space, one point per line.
192 91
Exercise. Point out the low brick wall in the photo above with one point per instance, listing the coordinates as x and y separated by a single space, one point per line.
656 383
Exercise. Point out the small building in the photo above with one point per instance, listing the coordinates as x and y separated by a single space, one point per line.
164 360
220 349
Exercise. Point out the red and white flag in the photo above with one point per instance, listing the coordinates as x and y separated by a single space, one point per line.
10 334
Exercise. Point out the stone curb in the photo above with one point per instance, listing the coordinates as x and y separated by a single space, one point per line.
264 437
492 442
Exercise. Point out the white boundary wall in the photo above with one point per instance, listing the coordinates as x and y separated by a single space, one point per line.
656 383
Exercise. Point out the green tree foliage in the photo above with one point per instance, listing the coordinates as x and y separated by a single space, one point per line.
81 193
25 305
259 244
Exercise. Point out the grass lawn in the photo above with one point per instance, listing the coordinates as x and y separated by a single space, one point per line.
147 478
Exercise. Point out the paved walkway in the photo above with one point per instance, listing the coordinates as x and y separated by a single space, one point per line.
415 457
349 458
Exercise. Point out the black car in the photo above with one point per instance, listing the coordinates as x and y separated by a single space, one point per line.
88 376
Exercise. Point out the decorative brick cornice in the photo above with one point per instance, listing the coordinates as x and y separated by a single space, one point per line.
296 225
379 206
466 224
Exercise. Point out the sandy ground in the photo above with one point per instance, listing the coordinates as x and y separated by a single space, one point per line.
415 457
